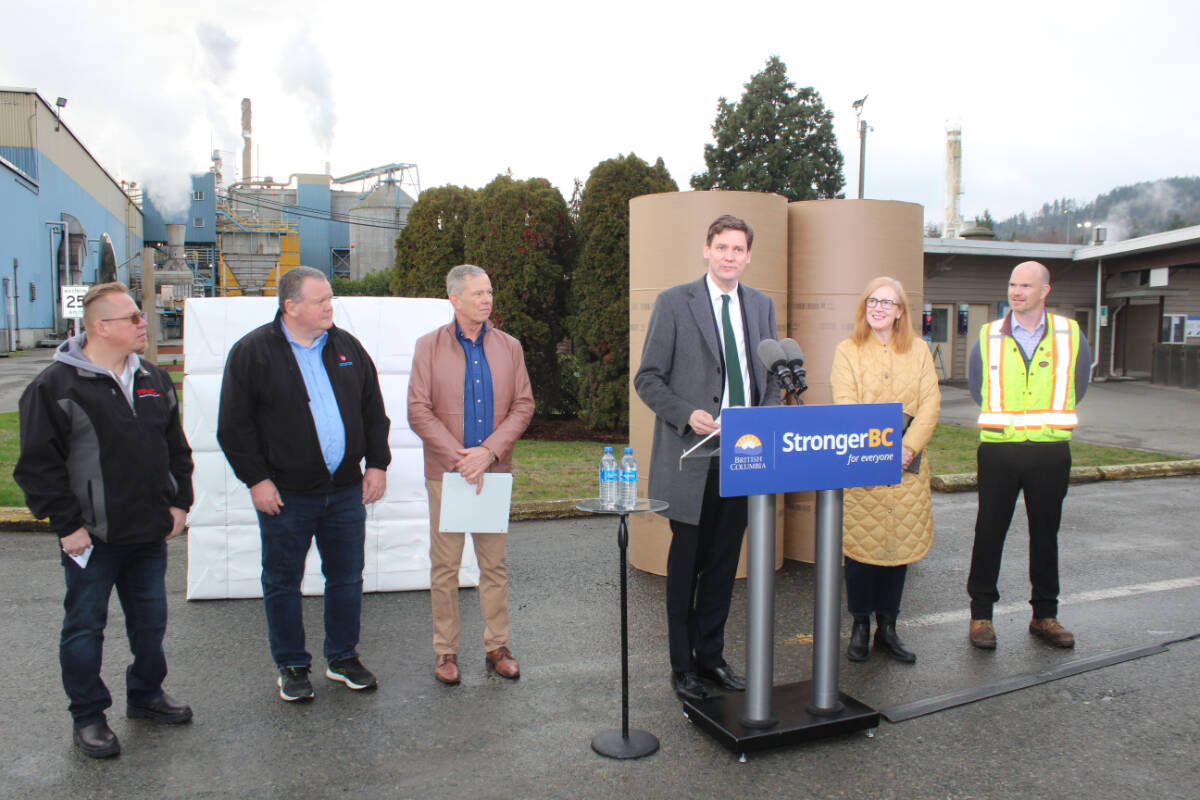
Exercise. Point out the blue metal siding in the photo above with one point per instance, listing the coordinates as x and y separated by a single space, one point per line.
23 158
24 236
313 201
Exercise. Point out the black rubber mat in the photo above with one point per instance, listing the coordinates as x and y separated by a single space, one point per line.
959 697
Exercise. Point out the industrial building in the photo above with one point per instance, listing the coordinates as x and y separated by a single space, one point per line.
64 220
1137 301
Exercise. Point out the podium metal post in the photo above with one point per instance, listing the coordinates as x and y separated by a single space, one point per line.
760 612
826 597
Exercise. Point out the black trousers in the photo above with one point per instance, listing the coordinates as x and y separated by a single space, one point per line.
874 589
1041 470
701 566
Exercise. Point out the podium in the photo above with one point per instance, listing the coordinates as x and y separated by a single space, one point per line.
774 449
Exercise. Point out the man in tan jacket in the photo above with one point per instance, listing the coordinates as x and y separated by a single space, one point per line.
469 400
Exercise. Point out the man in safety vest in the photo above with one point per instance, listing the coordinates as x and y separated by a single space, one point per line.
1027 374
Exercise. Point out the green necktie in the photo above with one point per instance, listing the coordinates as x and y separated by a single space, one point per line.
733 367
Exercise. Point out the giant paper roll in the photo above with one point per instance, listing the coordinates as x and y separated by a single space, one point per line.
666 248
834 248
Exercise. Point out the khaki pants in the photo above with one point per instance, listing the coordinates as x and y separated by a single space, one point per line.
445 556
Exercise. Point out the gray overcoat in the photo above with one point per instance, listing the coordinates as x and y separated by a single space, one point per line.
683 369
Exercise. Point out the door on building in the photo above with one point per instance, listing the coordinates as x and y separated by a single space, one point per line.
941 341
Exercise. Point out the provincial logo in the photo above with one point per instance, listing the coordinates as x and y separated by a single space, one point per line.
748 445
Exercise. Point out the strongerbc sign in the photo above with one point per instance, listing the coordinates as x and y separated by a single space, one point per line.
801 448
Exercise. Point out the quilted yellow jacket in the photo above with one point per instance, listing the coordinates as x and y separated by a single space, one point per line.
890 525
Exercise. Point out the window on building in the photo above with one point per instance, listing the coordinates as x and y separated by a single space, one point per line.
1174 328
198 194
198 222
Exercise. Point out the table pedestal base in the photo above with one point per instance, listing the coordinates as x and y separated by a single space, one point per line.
614 745
720 716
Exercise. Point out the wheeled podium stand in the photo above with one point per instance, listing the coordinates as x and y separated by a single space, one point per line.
796 448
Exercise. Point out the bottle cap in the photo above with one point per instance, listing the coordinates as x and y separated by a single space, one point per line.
629 450
608 449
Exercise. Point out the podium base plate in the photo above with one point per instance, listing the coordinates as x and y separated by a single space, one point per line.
720 717
614 745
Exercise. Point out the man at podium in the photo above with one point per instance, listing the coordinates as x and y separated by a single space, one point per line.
697 361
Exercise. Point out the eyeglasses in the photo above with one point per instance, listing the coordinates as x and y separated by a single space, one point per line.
133 319
885 303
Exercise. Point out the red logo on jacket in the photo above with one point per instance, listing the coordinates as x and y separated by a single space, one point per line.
148 393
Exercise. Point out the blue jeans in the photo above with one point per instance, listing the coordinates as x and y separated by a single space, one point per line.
338 521
138 572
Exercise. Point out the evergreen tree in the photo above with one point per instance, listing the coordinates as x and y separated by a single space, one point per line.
777 139
599 303
432 241
521 233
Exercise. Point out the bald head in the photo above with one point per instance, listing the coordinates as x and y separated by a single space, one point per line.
1027 290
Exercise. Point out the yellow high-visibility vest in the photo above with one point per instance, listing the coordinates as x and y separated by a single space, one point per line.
1034 403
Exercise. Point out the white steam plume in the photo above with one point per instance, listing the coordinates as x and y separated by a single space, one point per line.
305 75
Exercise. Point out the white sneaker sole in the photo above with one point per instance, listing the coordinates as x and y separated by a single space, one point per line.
287 697
358 687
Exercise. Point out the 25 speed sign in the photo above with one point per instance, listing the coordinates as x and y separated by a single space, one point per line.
72 301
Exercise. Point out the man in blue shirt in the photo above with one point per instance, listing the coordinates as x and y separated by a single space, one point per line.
469 400
300 411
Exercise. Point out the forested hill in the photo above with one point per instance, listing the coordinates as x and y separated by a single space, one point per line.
1127 212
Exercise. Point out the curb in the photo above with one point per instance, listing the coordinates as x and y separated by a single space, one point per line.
20 519
967 482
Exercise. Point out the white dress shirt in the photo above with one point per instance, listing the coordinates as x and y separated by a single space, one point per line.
739 334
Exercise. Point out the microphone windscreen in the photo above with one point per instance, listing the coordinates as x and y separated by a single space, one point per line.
792 351
770 353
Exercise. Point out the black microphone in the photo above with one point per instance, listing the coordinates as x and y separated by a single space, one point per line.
795 358
774 359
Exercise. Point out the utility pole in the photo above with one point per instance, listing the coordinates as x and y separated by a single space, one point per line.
862 142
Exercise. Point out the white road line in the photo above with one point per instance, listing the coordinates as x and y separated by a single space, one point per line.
963 614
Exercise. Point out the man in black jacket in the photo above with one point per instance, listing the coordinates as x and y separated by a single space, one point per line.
300 410
103 455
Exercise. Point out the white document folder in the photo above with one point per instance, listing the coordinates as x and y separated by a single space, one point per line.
463 511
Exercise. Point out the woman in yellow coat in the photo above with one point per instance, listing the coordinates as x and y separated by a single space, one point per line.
886 528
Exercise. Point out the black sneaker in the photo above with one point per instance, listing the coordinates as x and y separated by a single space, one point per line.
294 684
351 672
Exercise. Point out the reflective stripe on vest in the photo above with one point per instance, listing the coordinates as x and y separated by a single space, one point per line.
1061 413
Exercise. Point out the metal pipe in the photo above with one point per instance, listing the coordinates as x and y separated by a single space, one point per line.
760 612
827 595
1099 293
862 154
51 225
1112 335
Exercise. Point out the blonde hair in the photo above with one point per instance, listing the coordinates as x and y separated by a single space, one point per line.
95 293
902 332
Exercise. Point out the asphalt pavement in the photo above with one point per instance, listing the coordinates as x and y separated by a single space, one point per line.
1131 576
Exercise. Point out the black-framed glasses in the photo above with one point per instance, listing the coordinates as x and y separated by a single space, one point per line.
887 304
133 319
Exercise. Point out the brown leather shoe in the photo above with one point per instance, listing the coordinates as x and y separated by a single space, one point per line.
1049 630
502 661
446 669
983 635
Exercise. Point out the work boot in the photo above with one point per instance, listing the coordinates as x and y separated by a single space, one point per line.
860 639
983 635
887 639
1049 630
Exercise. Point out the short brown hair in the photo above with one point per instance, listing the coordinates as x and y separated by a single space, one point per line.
728 222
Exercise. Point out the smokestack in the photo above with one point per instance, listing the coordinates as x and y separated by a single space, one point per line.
953 181
247 172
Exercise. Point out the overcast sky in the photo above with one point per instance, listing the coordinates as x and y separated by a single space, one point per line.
1055 99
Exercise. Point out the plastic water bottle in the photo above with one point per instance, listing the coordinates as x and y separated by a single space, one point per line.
608 480
628 497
